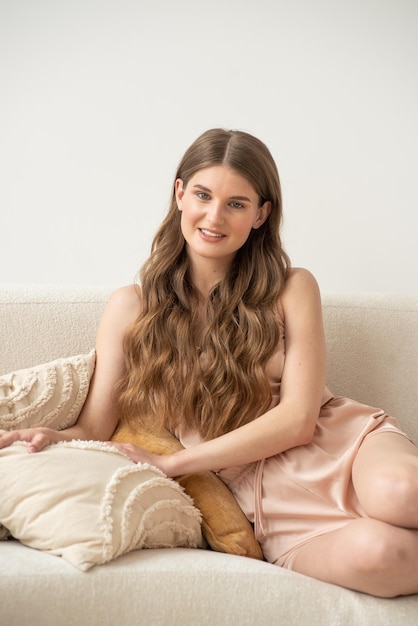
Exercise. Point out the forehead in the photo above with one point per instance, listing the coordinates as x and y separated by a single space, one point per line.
222 179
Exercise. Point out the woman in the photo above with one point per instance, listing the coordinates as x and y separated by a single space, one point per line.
224 345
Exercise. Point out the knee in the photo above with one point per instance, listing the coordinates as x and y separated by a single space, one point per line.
398 487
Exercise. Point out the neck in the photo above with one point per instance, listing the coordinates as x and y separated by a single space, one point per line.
206 276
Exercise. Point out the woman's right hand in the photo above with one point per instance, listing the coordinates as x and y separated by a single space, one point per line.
37 438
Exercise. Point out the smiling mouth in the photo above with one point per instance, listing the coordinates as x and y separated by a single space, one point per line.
208 233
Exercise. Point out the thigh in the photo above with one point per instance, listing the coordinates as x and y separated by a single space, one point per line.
365 555
385 478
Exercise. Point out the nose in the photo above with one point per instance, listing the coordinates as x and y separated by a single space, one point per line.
215 213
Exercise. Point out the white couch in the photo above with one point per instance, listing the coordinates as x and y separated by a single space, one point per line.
373 357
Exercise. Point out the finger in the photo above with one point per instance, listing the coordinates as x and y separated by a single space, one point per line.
38 442
113 444
8 437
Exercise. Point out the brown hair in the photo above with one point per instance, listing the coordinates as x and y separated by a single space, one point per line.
165 376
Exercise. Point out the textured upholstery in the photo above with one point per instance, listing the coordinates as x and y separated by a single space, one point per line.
373 357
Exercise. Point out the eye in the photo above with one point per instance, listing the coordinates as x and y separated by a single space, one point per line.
236 205
203 195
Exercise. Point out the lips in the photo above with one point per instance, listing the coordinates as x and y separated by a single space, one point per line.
211 234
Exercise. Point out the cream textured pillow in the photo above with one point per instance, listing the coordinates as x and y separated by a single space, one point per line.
51 394
87 502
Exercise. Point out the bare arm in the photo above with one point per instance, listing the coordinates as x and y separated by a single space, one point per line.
287 425
99 416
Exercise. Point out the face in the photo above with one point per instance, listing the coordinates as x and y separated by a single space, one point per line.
219 209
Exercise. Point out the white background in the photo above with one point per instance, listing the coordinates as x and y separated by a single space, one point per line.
100 98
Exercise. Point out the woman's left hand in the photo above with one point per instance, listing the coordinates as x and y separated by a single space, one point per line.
139 455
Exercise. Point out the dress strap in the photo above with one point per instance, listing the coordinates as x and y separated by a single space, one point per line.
258 500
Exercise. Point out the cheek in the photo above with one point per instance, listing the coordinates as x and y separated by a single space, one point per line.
245 227
188 213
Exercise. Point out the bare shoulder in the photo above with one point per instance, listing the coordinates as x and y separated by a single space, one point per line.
123 305
301 306
128 297
301 283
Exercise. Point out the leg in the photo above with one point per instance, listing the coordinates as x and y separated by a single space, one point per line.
377 554
385 478
365 555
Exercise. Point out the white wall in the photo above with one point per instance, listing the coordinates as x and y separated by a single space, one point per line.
100 98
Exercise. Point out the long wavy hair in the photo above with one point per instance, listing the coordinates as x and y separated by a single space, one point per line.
226 386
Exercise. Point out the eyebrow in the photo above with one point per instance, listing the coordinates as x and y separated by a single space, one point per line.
242 198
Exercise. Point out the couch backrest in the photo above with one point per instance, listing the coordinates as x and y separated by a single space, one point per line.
39 323
372 339
372 344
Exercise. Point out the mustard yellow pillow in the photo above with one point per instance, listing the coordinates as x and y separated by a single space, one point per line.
224 525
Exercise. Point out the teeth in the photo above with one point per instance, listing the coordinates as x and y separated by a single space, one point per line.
209 234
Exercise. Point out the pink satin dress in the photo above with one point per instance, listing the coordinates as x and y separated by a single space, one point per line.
302 493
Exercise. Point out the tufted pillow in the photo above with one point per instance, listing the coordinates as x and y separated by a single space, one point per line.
51 394
88 503
224 525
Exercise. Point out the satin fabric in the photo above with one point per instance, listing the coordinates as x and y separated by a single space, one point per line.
306 491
